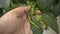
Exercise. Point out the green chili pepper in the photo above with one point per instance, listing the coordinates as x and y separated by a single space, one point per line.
33 12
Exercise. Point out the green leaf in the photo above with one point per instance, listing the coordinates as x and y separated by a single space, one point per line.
1 12
15 5
56 9
50 20
45 4
5 4
36 30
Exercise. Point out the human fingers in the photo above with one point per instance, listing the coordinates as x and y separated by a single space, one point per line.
38 11
20 10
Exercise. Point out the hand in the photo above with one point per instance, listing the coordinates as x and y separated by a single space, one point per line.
15 21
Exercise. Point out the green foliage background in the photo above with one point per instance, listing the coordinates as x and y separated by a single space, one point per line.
50 10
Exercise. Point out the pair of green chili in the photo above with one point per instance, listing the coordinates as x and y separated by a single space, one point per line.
32 13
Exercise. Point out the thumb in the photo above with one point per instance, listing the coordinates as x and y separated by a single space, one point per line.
20 10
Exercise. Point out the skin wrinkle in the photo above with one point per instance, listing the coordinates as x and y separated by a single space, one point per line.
20 28
17 26
25 20
27 28
25 25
